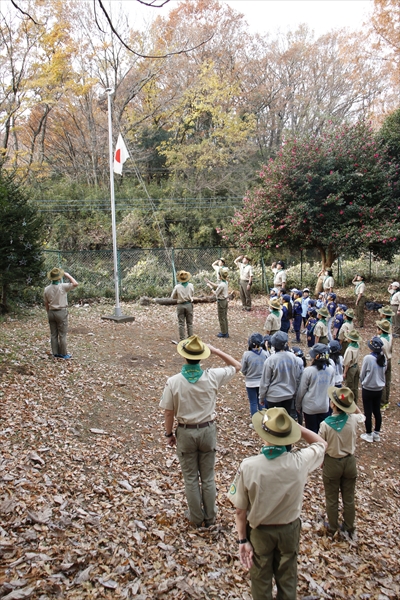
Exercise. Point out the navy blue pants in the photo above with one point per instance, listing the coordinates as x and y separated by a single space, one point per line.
297 326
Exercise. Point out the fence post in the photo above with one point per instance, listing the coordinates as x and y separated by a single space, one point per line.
301 268
370 264
173 267
262 272
59 259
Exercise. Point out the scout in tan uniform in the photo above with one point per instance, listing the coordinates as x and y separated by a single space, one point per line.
217 266
273 321
351 370
278 269
321 328
347 326
184 294
340 471
190 397
221 293
359 291
56 304
268 494
246 279
394 291
383 331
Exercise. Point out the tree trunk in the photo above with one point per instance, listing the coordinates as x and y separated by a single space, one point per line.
328 257
145 301
4 294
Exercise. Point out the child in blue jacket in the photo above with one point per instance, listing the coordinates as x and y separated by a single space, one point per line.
331 304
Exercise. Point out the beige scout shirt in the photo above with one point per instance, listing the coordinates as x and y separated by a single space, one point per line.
272 490
341 443
387 347
345 328
395 299
360 287
56 295
320 330
279 277
328 283
351 356
183 293
221 293
194 403
272 322
245 271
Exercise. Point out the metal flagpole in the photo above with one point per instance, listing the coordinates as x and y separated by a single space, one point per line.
109 93
118 316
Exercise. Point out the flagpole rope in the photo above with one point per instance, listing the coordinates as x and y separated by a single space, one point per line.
153 208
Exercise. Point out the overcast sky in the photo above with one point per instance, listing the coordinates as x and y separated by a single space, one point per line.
270 15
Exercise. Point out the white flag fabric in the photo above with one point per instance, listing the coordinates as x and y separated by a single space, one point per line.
120 156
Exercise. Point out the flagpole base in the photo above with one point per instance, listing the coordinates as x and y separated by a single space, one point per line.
119 318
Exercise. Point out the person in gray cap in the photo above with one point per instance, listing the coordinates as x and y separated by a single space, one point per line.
56 304
281 375
312 396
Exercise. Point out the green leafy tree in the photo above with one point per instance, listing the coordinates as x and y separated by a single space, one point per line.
336 192
21 234
389 134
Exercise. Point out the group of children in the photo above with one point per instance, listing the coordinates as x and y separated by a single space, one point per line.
277 375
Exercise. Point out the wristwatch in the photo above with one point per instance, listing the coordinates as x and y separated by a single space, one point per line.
243 541
169 434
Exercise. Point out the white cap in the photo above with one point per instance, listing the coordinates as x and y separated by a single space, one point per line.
395 284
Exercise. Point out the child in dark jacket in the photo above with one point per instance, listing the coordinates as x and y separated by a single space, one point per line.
297 314
311 323
338 320
286 313
331 304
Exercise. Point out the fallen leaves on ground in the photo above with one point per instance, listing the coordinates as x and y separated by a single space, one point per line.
92 500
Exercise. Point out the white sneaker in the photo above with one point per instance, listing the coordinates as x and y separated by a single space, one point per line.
367 437
376 437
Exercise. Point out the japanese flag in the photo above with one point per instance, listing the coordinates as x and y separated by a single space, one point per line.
120 156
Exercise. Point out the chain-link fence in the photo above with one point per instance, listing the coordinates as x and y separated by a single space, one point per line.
152 271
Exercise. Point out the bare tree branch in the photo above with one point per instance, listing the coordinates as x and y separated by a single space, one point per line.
24 13
148 55
95 17
154 3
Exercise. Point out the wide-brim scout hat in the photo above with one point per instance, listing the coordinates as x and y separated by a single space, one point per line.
55 274
387 311
353 336
276 427
350 313
183 276
193 348
274 304
323 311
224 273
384 325
343 398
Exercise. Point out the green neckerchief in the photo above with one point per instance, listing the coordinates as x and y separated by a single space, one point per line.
385 335
323 321
192 372
56 282
272 452
185 284
277 313
388 319
354 345
337 422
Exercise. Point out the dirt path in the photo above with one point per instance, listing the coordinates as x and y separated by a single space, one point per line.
98 514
